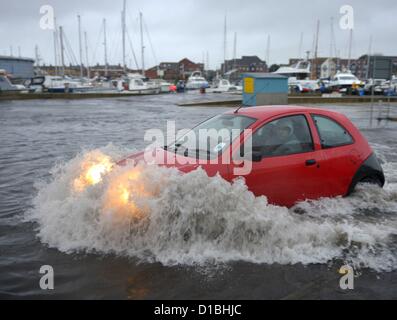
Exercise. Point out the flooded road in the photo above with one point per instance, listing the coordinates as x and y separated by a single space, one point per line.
272 253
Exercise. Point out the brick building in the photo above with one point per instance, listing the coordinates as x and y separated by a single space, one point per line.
380 67
245 64
173 71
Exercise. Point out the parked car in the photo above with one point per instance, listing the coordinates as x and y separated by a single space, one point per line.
297 153
375 85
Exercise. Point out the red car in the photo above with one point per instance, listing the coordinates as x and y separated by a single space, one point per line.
298 153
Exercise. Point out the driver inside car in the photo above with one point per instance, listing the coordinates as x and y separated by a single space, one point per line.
288 142
277 138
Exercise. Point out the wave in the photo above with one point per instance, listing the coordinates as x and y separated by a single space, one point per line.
160 215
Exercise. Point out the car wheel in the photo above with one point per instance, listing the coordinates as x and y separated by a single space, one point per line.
371 180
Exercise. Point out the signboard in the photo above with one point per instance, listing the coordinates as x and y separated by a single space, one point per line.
249 85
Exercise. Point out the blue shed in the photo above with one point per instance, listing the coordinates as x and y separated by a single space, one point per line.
264 89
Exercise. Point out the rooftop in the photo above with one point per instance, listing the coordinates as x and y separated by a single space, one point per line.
264 75
265 112
16 58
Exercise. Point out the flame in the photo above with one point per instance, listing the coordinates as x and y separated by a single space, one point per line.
125 193
125 188
94 168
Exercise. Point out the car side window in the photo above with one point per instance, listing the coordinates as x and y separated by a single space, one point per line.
284 136
332 134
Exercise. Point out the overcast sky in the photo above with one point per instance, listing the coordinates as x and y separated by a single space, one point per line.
188 28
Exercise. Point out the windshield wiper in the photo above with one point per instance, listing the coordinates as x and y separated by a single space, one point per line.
197 152
176 146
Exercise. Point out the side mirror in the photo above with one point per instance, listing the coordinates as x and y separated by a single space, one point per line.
256 156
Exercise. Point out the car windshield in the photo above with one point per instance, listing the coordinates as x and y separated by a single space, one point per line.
210 138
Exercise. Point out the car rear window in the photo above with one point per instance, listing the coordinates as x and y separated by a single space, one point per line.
331 133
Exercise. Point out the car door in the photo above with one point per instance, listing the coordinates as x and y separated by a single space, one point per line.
340 158
290 166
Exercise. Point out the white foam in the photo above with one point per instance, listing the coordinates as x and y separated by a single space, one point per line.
194 220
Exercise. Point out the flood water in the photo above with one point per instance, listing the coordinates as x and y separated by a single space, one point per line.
196 245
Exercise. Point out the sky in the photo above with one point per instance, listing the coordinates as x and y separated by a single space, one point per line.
191 28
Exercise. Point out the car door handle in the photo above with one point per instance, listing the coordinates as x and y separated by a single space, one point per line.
311 162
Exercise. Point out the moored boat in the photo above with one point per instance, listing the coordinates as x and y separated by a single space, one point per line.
196 81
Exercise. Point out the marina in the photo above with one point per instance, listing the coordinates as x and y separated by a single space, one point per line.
198 151
370 74
55 131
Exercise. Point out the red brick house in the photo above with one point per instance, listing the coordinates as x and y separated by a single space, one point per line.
173 71
187 67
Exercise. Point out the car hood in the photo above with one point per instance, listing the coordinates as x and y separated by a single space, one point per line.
162 158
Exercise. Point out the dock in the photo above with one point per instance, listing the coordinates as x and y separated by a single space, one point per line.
295 100
204 102
5 96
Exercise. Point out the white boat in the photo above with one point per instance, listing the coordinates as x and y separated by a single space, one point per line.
196 81
136 84
224 85
7 86
393 84
344 80
377 86
299 76
165 87
59 84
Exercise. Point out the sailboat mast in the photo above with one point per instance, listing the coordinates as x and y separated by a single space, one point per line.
123 27
268 50
331 37
105 47
350 48
80 47
142 44
314 68
86 55
208 61
62 51
36 53
369 56
300 46
234 50
331 47
55 33
224 44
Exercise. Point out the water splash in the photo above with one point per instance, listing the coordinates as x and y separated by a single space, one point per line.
159 214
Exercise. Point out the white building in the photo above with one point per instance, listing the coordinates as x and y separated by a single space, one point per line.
328 68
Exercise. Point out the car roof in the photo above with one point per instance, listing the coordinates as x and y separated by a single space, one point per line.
265 112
